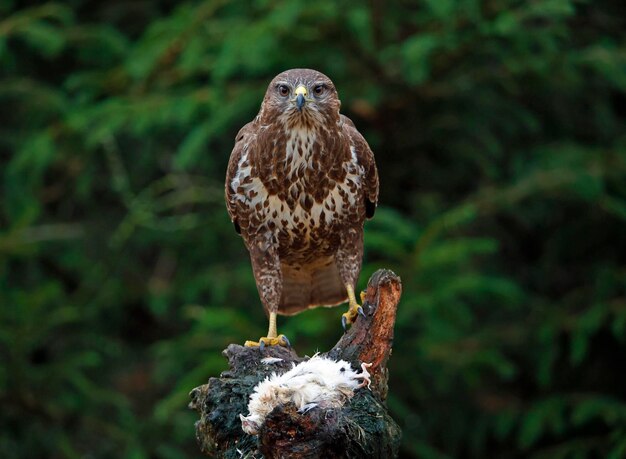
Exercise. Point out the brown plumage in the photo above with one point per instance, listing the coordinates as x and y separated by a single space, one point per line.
301 180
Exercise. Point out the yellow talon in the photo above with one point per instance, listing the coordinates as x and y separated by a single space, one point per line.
280 340
354 309
272 339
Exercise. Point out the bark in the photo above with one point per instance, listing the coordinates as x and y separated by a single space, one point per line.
361 428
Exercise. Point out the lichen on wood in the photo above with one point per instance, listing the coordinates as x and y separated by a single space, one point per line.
360 428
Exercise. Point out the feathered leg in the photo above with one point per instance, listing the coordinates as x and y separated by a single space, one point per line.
348 259
268 276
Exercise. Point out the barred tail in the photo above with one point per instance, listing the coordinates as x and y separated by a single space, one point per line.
310 287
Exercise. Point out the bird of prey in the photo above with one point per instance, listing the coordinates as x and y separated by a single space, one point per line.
301 180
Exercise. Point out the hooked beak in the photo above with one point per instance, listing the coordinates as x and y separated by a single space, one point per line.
300 93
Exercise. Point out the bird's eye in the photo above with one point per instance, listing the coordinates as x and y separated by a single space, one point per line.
319 89
283 90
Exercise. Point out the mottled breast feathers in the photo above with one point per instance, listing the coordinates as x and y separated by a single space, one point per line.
268 162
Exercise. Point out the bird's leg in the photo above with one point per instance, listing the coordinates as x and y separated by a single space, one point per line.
365 375
271 331
268 276
348 259
272 338
354 308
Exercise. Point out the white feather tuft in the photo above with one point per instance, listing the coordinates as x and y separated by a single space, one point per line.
318 382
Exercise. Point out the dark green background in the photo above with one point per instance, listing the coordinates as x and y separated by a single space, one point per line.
499 129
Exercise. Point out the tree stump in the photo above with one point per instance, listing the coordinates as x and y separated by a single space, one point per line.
361 428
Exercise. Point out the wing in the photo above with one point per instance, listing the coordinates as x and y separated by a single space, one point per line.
242 141
365 158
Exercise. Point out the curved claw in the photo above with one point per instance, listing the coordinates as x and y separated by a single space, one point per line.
261 344
350 316
284 338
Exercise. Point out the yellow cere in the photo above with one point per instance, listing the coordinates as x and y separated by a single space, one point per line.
300 90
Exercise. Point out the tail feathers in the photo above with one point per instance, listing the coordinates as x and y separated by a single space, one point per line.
311 287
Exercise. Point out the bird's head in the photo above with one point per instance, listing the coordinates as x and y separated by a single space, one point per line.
250 424
301 97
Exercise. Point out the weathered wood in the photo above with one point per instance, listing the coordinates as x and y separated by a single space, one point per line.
361 428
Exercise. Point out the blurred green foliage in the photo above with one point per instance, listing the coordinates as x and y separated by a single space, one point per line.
499 129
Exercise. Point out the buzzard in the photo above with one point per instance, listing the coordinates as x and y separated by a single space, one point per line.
301 180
